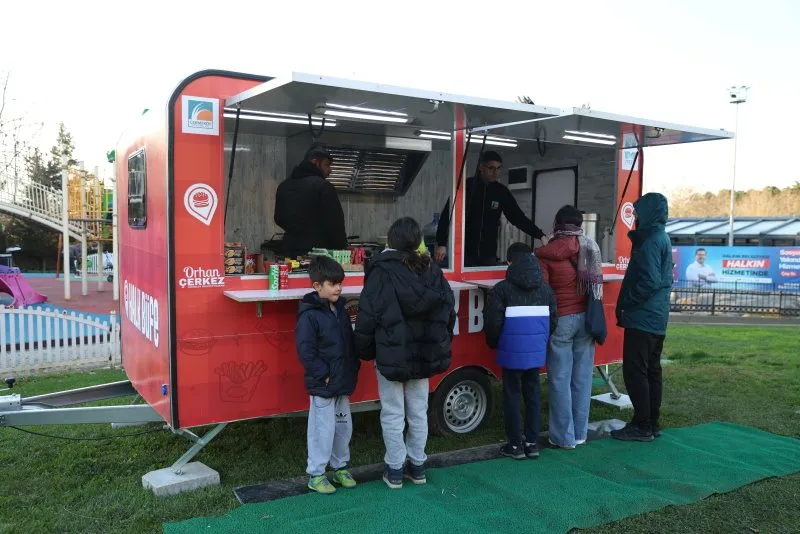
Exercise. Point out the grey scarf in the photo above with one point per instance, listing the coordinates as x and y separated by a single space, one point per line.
590 267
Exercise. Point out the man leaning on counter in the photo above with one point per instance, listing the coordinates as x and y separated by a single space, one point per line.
307 207
486 199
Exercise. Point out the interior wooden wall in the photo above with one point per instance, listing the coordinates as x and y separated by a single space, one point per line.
259 167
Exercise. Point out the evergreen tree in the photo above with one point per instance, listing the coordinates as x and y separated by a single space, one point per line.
64 147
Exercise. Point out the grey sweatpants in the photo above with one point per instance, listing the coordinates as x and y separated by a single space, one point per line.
401 402
330 428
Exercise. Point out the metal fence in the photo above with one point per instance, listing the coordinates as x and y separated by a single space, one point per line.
736 297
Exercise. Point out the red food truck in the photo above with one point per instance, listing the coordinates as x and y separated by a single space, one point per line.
204 341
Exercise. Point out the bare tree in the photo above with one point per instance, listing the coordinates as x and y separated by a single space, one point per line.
17 136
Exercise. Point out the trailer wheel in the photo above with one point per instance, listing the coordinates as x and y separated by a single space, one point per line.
462 403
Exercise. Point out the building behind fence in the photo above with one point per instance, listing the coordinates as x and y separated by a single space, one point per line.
36 340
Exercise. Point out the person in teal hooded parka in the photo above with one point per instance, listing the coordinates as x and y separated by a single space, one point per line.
643 311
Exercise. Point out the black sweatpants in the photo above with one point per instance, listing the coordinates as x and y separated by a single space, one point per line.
641 368
531 391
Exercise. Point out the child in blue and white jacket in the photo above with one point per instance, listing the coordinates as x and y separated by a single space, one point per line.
519 318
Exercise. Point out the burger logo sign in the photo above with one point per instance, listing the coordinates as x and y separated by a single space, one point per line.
200 200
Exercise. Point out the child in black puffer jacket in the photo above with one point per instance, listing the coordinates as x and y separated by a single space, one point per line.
324 339
405 323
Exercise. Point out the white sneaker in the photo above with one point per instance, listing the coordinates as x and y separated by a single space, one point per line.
580 442
565 447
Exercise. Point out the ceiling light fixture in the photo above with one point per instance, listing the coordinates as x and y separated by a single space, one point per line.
490 139
282 118
590 140
590 134
359 113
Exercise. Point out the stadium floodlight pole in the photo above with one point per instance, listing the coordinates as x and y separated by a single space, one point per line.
738 95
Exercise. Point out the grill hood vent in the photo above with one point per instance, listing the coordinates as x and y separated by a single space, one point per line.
373 170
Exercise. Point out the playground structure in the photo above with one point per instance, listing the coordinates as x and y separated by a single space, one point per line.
90 201
79 211
12 282
90 207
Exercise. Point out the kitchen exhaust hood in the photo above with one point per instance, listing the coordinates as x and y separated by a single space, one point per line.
386 170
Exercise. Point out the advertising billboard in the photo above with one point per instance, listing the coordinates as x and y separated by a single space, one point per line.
707 266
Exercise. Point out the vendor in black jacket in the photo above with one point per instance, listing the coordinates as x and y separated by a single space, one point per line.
486 199
307 207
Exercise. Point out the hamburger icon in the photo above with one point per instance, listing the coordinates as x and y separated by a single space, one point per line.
196 342
200 199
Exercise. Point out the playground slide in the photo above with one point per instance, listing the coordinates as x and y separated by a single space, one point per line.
12 282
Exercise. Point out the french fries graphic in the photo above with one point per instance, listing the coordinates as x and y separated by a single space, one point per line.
238 381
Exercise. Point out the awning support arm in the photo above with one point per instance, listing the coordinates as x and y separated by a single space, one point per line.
233 158
315 135
627 183
460 179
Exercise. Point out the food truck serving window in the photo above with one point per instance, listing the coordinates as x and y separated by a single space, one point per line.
137 190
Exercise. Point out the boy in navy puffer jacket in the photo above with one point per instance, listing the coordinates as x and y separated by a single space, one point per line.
324 339
519 318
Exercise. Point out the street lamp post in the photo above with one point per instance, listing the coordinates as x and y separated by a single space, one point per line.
738 95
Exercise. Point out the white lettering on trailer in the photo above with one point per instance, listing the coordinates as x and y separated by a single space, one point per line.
457 295
141 310
475 301
475 311
199 277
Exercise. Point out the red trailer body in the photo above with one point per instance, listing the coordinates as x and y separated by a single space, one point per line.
199 356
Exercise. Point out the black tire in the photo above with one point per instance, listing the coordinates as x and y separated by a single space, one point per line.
462 403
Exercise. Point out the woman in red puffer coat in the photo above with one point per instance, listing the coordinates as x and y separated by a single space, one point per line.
571 265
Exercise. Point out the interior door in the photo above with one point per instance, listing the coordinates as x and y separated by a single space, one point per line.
553 189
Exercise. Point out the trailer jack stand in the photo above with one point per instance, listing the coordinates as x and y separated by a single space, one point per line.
184 475
613 397
199 443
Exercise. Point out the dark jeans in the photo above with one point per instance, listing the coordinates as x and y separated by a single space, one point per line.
641 367
529 381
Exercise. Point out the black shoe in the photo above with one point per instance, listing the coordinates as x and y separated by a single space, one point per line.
393 477
531 450
512 451
656 431
415 473
632 433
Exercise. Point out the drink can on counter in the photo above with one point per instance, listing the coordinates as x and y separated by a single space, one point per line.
274 276
283 274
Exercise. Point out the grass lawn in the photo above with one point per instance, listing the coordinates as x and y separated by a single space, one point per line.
743 375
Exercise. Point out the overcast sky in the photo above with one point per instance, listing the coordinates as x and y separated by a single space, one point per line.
97 65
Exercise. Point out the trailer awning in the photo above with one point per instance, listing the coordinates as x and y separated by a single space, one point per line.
584 127
371 108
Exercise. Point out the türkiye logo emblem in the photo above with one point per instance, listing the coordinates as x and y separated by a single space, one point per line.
200 115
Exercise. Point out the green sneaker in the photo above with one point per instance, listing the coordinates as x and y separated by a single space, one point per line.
320 484
344 478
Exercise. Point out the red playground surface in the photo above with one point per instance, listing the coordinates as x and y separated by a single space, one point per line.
98 302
